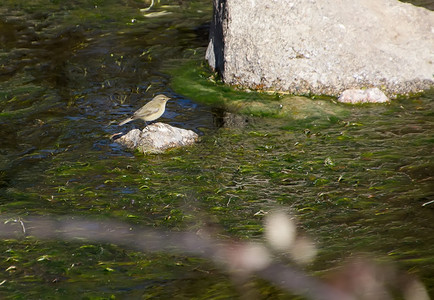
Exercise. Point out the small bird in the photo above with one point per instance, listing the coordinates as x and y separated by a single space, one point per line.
150 111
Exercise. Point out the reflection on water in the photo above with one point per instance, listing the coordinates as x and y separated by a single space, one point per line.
356 177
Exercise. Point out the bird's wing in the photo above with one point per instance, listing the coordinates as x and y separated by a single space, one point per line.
146 110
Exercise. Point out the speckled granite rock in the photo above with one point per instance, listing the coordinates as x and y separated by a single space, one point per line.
323 46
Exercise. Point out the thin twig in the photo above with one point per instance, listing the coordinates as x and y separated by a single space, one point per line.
145 239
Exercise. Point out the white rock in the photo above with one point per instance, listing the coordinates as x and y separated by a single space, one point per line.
355 96
157 138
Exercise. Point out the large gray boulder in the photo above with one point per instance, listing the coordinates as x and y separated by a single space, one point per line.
323 46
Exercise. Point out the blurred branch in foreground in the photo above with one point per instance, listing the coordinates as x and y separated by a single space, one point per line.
357 280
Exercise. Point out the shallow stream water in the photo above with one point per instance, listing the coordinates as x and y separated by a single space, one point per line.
358 179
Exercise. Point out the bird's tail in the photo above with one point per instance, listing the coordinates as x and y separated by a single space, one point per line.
125 121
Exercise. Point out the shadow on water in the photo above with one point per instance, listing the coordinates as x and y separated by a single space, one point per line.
356 177
67 85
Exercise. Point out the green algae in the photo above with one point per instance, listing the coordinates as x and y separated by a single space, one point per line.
193 79
355 177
